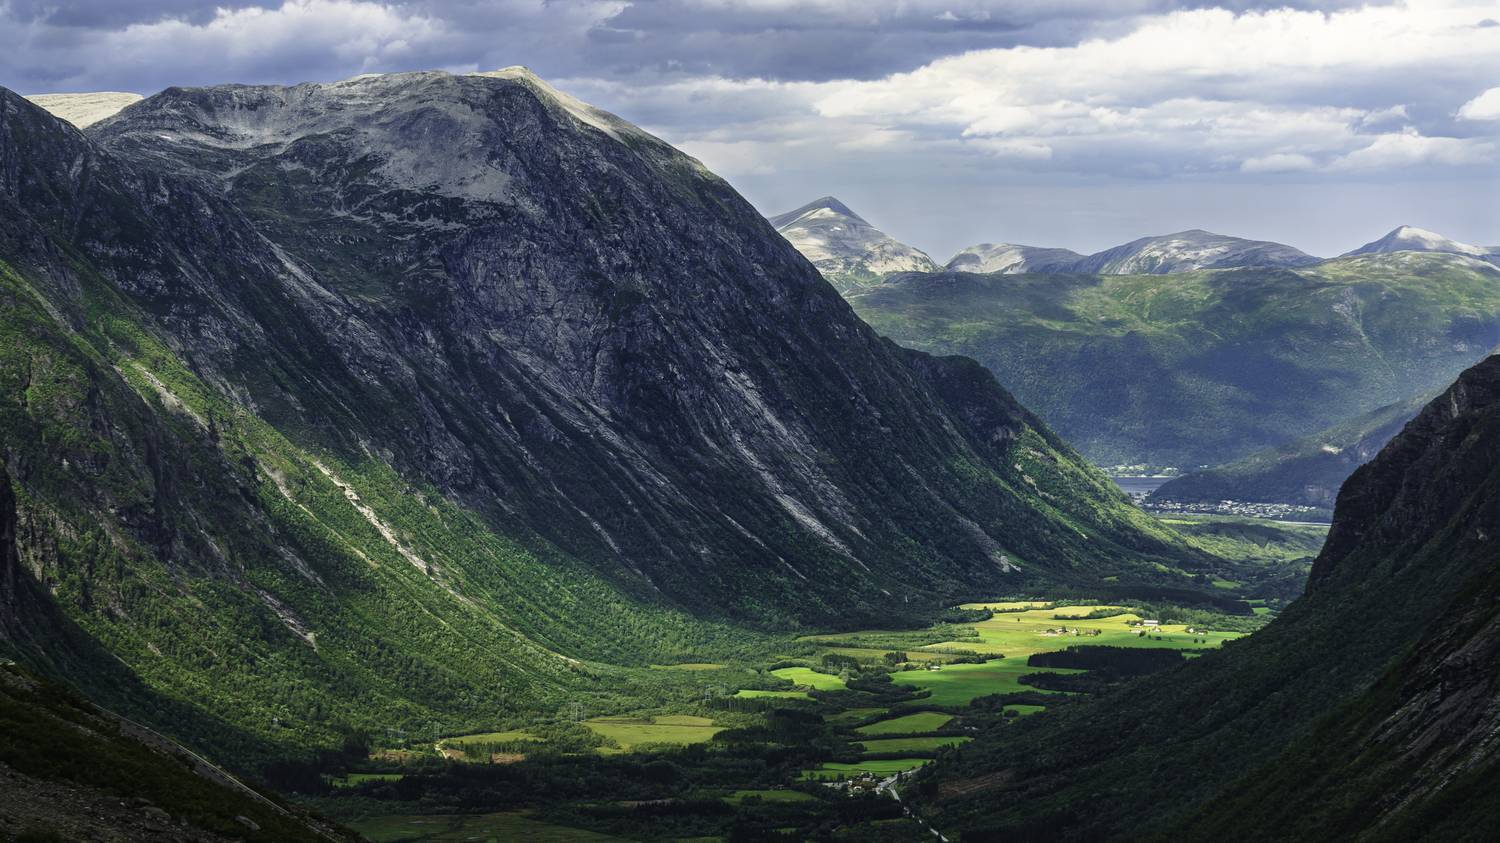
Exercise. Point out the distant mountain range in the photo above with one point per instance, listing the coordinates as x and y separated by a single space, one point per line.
854 255
1205 367
1254 346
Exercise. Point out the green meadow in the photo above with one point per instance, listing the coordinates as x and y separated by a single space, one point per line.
750 694
510 736
629 732
960 684
807 677
908 724
1042 630
854 715
883 767
911 744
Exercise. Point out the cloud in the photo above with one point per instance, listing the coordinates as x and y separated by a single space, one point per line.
1486 106
1278 162
1409 148
949 101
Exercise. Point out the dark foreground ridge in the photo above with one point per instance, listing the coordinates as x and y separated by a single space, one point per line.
1363 712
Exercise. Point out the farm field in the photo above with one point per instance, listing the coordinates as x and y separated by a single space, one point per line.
782 796
959 684
509 736
885 745
750 694
884 767
872 653
807 677
909 724
478 828
1025 633
356 779
630 732
854 715
888 731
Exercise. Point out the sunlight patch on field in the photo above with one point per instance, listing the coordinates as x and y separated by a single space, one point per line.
910 724
631 732
809 678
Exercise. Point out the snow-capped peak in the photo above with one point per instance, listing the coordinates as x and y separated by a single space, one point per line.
1407 238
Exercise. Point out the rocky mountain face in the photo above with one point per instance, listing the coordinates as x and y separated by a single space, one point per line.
1217 364
1011 259
1186 251
850 252
1307 472
367 400
1365 711
1408 238
569 324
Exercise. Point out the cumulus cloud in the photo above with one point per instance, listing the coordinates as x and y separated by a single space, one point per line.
1409 148
1486 106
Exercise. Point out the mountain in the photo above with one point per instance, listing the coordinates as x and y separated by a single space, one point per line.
83 110
1307 472
1365 711
1186 251
849 252
1011 259
414 398
1406 238
1213 365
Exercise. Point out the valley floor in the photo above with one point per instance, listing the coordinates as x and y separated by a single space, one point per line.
810 739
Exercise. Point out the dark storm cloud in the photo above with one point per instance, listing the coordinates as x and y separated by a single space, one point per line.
770 39
911 109
107 14
860 39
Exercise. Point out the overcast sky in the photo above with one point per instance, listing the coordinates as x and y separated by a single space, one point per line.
1078 123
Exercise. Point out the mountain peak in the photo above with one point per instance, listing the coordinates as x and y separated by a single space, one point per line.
825 203
1188 250
1409 238
849 251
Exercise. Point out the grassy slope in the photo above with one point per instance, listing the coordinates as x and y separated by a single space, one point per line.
1204 367
241 579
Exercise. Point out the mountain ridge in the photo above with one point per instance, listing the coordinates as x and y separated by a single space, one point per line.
1213 365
